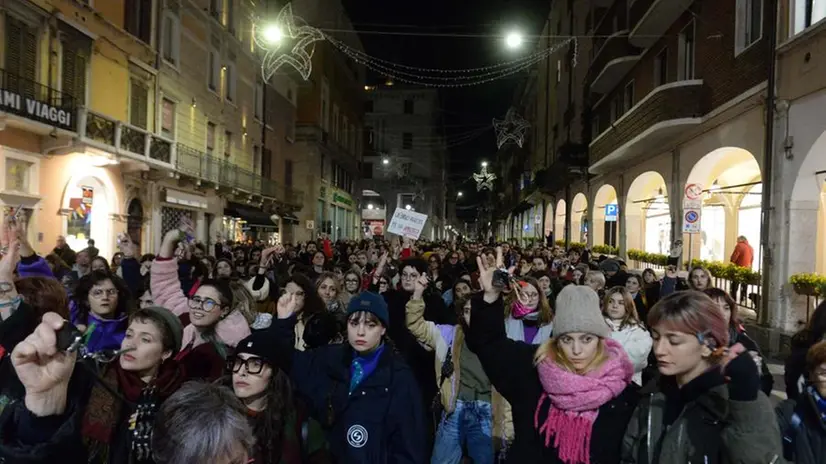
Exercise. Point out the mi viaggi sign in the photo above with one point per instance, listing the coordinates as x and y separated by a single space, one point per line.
13 102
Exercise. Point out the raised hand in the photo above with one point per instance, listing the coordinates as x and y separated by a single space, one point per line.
420 286
21 232
486 275
380 267
42 369
287 305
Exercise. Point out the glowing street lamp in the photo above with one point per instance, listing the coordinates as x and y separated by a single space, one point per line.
408 207
460 194
513 40
385 161
484 164
273 34
370 206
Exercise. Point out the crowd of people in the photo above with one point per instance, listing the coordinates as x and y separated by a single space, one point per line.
382 351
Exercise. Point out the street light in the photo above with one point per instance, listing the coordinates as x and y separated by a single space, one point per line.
514 40
385 161
408 207
460 194
484 164
273 34
370 206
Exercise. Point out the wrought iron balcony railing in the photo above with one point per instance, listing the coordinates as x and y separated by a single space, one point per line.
124 139
27 98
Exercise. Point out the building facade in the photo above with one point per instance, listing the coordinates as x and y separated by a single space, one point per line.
125 116
672 94
405 156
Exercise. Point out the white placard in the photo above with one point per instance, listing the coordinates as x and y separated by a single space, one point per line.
691 220
407 223
310 224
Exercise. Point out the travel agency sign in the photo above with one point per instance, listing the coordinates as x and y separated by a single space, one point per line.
36 110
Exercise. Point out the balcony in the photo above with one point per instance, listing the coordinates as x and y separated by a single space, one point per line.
650 19
612 62
31 101
314 134
129 142
666 112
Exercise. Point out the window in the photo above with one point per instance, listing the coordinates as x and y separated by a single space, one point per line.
345 136
227 143
215 7
595 127
406 168
230 24
353 137
138 19
367 170
558 71
616 108
370 137
230 79
266 163
139 104
368 106
288 172
21 56
407 141
75 52
808 12
18 175
335 122
628 97
661 68
210 138
408 107
213 71
168 118
325 105
259 100
748 24
171 47
256 159
685 69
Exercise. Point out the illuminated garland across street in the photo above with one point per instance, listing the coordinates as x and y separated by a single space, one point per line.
484 179
272 40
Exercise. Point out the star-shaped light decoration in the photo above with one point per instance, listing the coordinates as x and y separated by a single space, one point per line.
510 129
274 39
484 179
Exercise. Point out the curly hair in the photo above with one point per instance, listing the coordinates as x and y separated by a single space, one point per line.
44 295
126 303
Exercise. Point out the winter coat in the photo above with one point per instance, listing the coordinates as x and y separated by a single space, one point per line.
637 342
743 254
381 421
28 439
108 333
737 335
166 291
440 339
794 374
509 365
710 428
13 330
803 429
515 330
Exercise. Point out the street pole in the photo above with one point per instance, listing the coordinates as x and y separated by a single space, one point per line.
768 168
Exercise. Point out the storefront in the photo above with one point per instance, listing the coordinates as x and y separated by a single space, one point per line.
336 214
244 223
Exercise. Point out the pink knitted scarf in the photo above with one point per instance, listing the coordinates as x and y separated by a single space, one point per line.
576 399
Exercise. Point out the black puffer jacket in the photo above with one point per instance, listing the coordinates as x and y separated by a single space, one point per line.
13 331
803 429
766 379
509 365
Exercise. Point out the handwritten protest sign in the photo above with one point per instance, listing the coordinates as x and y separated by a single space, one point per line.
407 223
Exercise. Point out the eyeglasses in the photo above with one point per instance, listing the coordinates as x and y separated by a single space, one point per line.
410 276
253 365
6 287
206 304
99 292
351 281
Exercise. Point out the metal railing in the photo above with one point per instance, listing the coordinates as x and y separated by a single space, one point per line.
200 165
125 139
25 88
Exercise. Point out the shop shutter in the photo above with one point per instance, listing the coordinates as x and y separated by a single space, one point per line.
73 68
138 103
171 218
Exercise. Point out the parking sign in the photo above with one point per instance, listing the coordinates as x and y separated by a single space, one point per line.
611 212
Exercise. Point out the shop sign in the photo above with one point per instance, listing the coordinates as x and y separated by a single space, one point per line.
338 198
13 102
88 195
375 228
407 223
310 224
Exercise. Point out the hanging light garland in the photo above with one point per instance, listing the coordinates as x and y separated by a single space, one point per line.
273 40
484 179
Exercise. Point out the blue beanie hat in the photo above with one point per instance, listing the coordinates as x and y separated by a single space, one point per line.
371 303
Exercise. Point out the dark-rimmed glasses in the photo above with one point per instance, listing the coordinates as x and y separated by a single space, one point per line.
253 365
205 304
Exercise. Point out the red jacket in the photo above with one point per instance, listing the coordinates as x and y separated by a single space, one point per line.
743 254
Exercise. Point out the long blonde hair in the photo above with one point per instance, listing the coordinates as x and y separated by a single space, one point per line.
550 350
631 317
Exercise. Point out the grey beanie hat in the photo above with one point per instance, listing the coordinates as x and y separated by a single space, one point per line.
610 265
172 322
577 310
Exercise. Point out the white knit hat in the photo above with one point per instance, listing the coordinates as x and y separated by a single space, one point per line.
577 310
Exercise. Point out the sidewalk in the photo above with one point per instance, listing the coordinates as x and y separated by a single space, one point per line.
779 390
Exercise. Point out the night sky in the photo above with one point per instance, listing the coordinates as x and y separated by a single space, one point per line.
464 109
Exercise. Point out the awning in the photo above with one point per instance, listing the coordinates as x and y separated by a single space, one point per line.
254 217
290 218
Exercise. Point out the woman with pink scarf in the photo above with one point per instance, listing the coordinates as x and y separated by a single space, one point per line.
573 396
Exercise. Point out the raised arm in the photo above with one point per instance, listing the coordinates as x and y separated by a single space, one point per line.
165 283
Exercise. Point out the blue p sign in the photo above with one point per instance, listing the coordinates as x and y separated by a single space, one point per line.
611 212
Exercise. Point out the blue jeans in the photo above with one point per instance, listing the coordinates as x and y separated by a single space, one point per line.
470 424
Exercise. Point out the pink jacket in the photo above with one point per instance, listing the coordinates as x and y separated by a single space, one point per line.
166 292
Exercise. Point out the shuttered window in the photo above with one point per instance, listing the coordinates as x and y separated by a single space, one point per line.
138 100
21 56
73 62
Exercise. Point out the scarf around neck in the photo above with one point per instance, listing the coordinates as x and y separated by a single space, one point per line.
362 366
575 401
